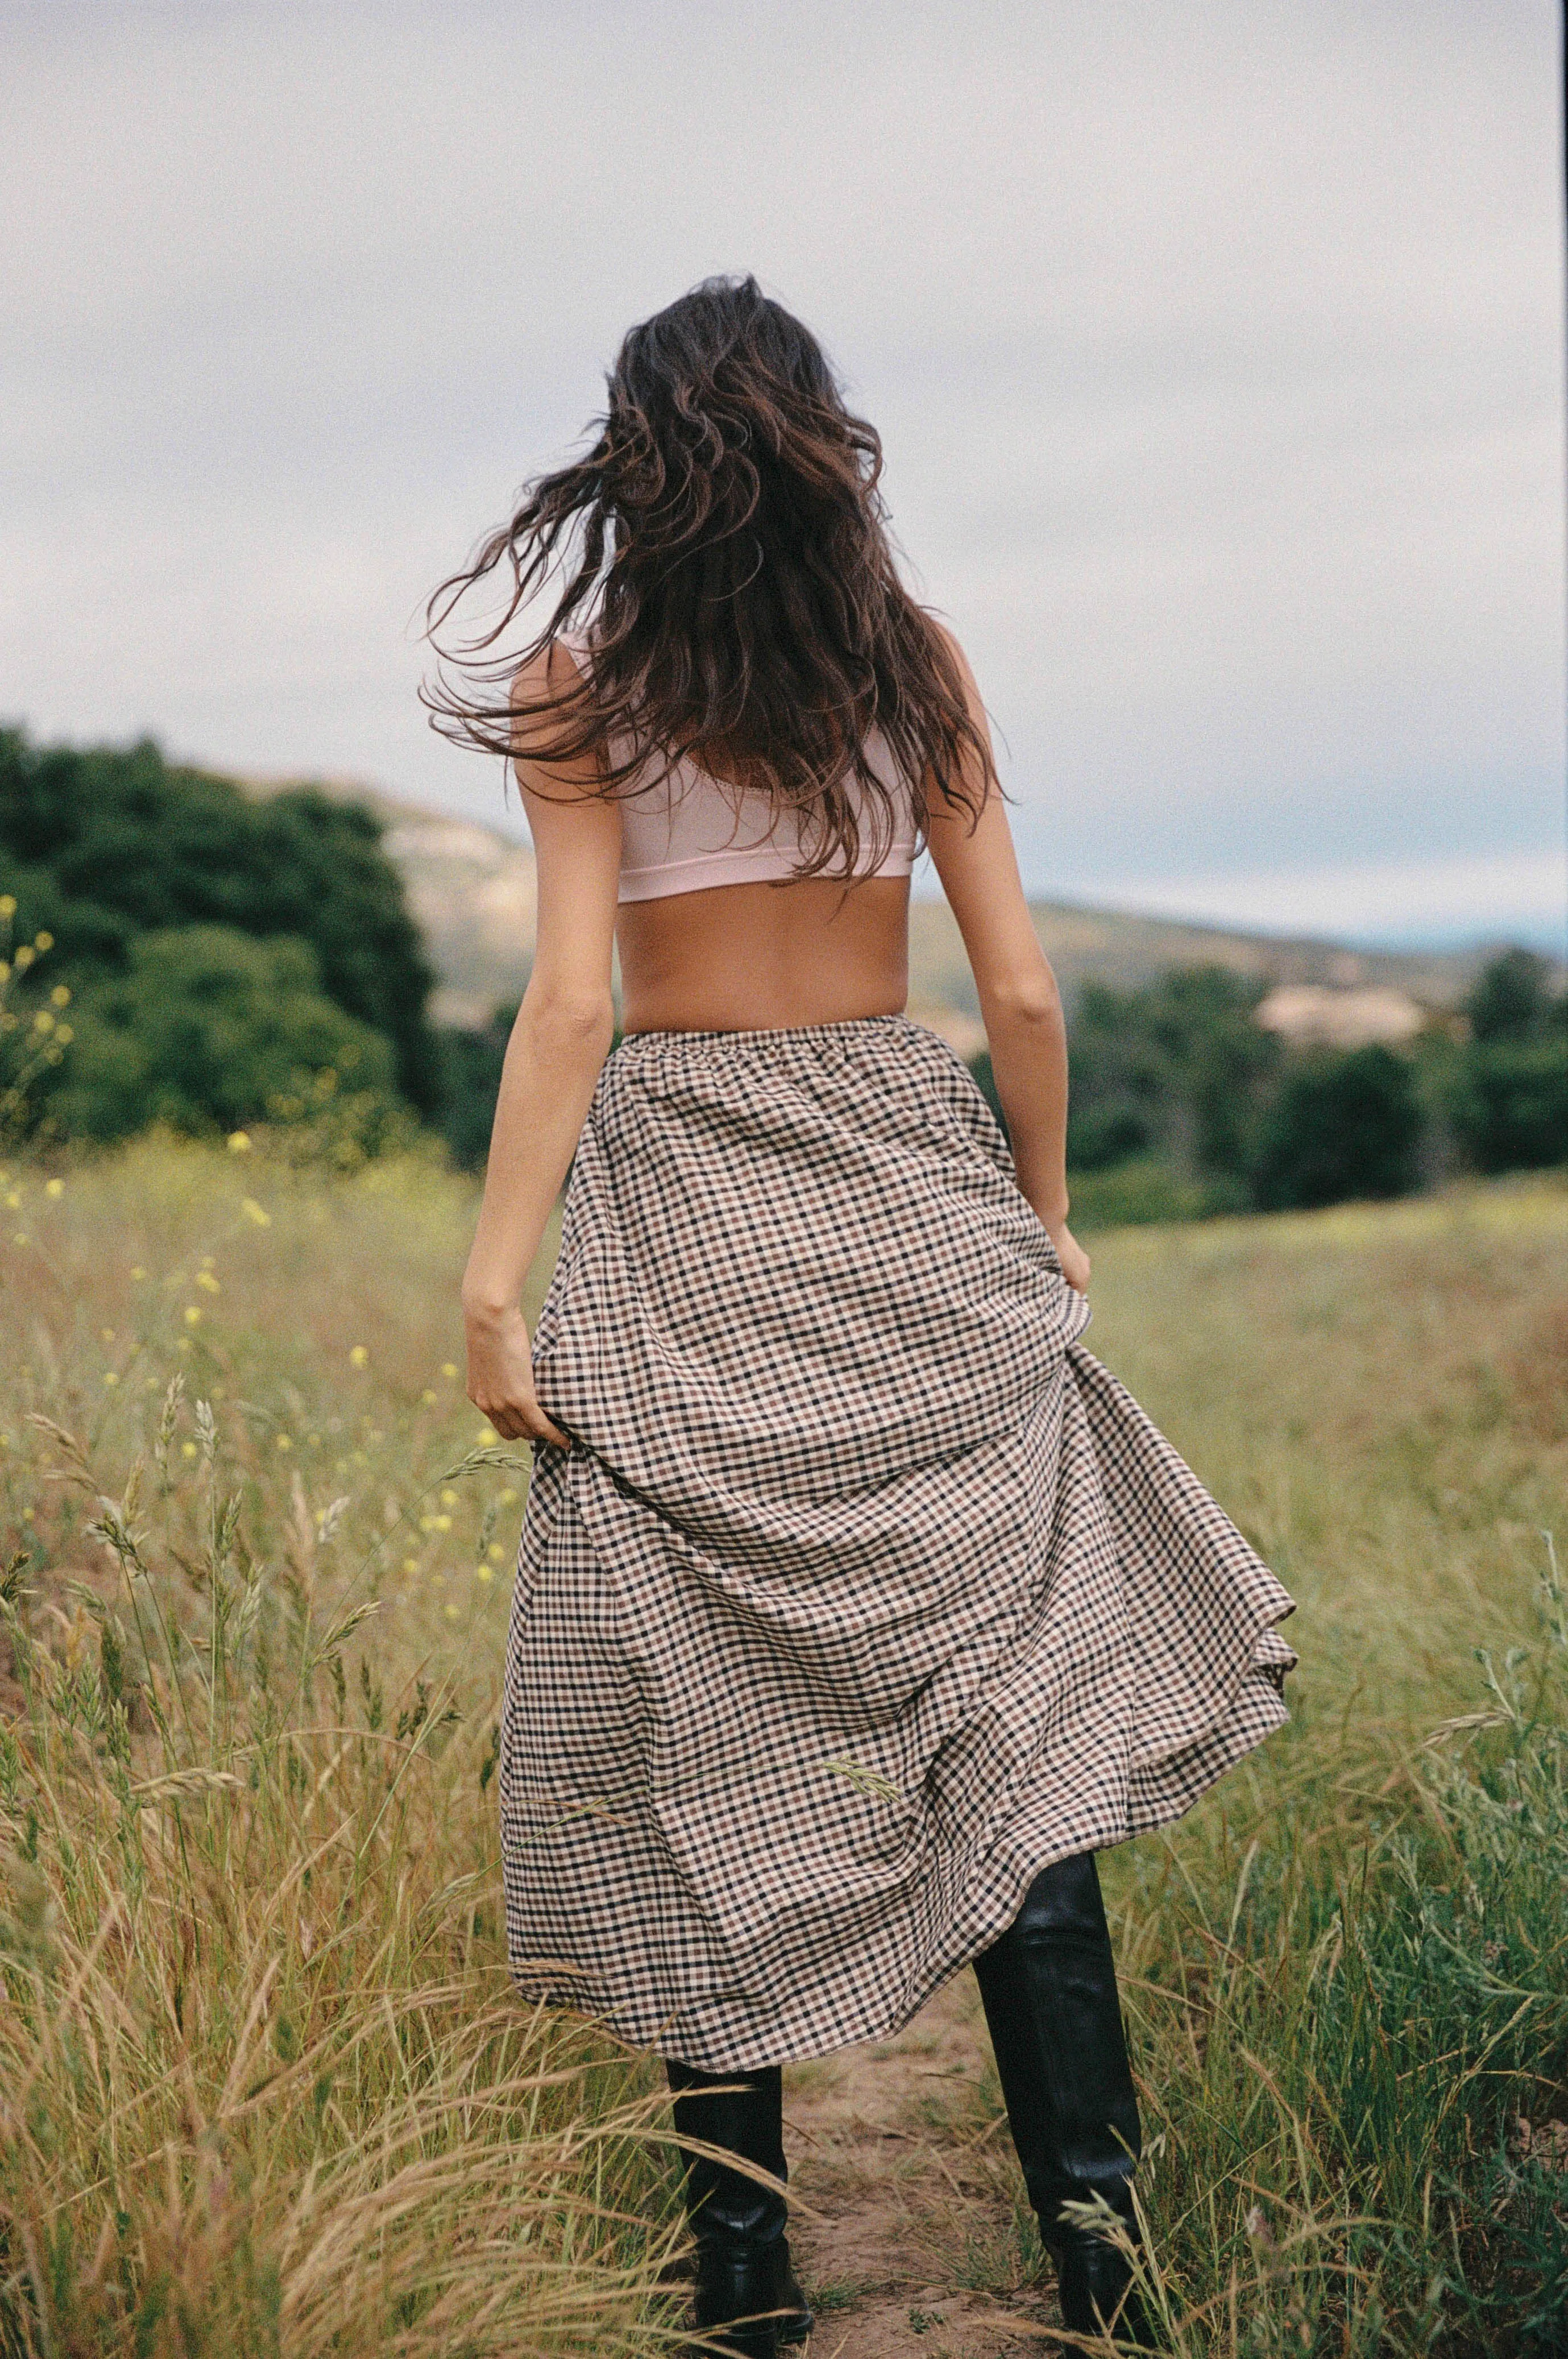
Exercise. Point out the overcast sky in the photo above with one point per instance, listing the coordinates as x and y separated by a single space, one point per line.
1216 347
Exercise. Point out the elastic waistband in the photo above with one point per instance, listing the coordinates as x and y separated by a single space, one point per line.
765 1039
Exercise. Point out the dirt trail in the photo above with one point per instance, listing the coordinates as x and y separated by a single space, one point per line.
919 2246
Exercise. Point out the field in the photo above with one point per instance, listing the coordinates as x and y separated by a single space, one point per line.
262 2087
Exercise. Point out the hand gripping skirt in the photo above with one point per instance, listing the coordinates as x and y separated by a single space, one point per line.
864 1591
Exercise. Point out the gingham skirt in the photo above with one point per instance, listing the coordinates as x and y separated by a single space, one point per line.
864 1591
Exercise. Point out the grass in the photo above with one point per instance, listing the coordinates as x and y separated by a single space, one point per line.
263 2084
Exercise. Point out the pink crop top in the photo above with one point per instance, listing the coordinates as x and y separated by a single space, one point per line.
688 829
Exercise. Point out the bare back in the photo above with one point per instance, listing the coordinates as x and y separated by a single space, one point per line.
741 958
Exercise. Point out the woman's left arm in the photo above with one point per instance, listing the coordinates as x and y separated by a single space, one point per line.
559 1042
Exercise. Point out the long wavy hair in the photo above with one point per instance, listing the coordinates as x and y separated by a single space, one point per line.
722 555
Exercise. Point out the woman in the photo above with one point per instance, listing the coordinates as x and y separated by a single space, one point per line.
858 1606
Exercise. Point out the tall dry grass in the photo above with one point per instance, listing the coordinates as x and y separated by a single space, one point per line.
263 2084
1348 1971
262 2087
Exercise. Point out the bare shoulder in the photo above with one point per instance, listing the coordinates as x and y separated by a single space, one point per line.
545 697
948 641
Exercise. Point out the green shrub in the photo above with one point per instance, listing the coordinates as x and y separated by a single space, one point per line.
211 1031
1510 1107
1178 1070
1345 1124
472 1062
103 844
1508 1099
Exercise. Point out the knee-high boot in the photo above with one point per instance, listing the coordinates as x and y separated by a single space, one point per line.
743 2255
1050 1992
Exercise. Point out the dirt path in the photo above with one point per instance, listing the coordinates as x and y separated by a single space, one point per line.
921 2246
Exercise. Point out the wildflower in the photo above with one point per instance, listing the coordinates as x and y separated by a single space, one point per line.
449 1368
239 1142
24 958
188 1449
204 1278
484 1572
43 941
449 1498
507 1497
496 1551
138 1272
192 1314
453 1612
253 1212
411 1564
281 1441
7 904
14 1200
427 1397
54 1187
358 1355
60 994
43 1021
106 1334
110 1378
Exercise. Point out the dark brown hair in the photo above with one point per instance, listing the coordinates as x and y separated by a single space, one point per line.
723 545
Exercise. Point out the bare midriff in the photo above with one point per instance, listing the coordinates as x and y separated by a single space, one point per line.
753 957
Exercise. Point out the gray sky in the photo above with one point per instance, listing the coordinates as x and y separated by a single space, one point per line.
1216 347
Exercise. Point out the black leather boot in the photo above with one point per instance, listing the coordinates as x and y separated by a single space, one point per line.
1050 1992
743 2255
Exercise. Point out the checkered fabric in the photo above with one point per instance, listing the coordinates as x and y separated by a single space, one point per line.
864 1593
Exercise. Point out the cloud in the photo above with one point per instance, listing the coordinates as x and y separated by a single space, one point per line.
1421 901
1216 351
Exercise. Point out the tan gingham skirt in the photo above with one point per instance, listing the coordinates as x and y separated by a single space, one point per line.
864 1593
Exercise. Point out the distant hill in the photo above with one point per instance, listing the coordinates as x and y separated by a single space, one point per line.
473 891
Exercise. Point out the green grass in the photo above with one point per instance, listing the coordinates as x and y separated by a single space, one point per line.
263 2084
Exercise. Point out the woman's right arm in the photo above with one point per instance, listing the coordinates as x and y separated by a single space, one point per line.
559 1042
1019 1002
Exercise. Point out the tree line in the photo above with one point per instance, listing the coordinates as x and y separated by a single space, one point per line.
1183 1104
174 950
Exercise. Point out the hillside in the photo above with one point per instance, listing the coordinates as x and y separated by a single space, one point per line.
473 892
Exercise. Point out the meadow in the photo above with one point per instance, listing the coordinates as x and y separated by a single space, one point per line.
264 2088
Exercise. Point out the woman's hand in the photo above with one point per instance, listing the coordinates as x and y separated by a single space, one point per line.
1071 1254
501 1378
